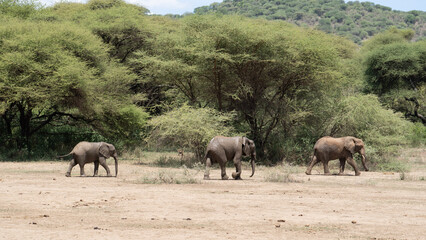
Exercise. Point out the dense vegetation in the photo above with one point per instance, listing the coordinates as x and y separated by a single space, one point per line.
354 20
106 70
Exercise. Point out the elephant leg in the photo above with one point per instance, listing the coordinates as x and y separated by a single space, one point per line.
102 161
351 162
237 175
314 161
95 173
72 164
208 166
342 165
82 169
326 169
223 170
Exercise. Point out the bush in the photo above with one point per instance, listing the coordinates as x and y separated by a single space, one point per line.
418 134
188 127
383 131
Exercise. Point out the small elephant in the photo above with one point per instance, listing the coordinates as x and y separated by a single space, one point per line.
222 149
329 148
96 152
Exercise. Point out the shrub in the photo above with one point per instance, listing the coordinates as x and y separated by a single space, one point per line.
188 127
383 131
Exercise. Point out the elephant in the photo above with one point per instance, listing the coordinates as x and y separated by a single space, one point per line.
96 152
330 148
222 149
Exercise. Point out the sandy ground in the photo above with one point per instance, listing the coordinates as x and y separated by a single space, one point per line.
38 202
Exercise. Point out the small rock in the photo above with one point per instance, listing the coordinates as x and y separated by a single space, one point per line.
300 215
188 219
81 200
307 225
123 218
54 179
34 223
281 220
45 215
96 228
353 222
277 225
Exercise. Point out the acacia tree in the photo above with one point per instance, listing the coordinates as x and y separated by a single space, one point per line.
52 71
395 69
266 71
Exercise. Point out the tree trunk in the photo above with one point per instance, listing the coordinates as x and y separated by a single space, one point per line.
25 115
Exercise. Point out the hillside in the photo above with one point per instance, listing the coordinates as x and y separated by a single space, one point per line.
355 20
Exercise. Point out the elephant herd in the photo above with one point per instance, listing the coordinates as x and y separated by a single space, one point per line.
223 149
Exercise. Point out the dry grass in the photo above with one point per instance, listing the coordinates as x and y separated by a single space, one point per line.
281 173
170 176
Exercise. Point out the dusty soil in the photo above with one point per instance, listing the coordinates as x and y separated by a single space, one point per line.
38 202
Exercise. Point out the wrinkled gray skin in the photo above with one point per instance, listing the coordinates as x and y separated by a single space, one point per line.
222 149
329 148
96 152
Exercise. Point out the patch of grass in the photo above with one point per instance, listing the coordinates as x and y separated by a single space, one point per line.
393 166
175 162
281 173
403 176
170 177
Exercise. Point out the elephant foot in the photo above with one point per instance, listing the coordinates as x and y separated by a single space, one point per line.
340 173
357 173
367 170
109 175
206 177
225 177
236 176
308 173
327 173
67 174
82 175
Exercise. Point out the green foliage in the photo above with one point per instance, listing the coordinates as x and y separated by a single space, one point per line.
93 71
382 130
188 127
334 16
266 71
61 75
395 69
19 8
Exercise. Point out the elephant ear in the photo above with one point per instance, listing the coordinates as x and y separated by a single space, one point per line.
246 146
358 143
350 145
104 150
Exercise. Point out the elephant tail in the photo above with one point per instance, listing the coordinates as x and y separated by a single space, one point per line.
65 155
207 155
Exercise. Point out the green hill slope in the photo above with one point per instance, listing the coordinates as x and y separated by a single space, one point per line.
355 20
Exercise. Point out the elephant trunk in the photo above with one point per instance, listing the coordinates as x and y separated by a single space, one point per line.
364 159
253 157
116 166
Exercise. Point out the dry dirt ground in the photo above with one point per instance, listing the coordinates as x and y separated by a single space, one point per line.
38 202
